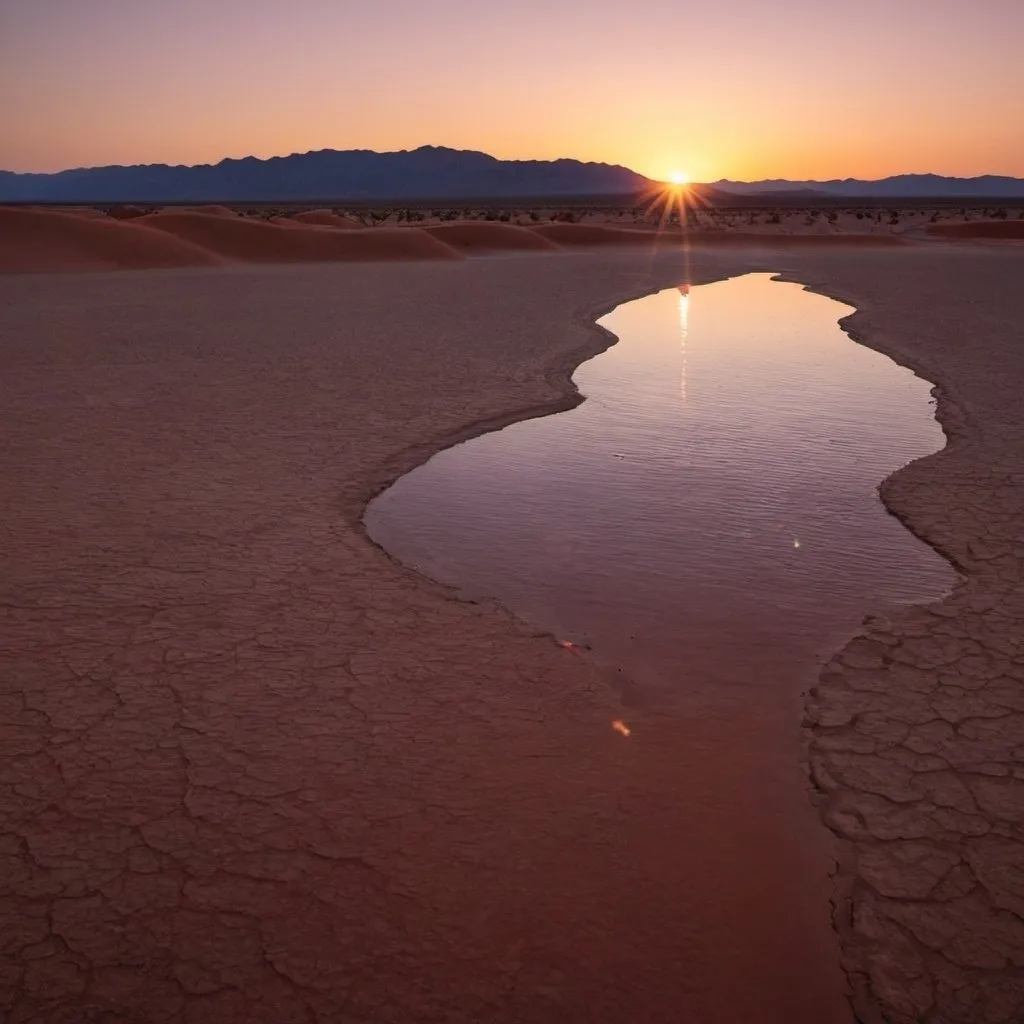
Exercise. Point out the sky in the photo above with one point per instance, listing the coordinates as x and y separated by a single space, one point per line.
741 89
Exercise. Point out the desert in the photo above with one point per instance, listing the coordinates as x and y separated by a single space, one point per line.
257 769
117 237
511 513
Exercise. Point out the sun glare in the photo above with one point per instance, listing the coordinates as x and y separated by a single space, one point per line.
679 178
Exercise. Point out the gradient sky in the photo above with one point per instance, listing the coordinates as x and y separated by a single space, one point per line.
725 88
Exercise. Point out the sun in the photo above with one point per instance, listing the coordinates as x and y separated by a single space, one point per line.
679 178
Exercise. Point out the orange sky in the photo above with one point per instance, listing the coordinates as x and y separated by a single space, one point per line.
738 88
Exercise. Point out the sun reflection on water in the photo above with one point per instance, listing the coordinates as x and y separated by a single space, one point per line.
684 327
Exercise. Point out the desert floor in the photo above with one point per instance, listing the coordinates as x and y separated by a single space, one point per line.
254 770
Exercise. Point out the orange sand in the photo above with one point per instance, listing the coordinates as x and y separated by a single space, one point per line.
41 240
125 212
212 209
489 236
78 211
325 219
594 234
255 241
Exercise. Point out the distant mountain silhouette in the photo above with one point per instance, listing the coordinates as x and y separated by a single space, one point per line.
904 186
431 172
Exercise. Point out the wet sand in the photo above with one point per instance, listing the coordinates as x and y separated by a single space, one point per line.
256 770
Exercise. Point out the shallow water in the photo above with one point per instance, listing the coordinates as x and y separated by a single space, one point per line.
708 520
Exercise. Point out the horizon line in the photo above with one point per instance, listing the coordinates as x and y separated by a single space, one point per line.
504 160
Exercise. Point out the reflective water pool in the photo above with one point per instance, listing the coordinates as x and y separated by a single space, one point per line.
707 521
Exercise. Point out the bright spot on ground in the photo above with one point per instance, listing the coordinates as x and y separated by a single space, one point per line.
619 726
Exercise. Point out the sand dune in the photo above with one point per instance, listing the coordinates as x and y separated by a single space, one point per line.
259 242
287 221
127 236
489 236
324 218
43 240
1007 229
211 209
78 211
125 211
595 234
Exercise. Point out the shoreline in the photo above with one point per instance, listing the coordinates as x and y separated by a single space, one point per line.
559 376
948 413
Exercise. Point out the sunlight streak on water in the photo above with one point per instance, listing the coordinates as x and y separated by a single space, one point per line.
684 321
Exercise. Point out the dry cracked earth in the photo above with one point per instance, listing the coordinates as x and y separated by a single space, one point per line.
917 726
254 770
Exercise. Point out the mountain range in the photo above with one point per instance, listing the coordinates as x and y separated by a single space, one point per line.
903 186
432 173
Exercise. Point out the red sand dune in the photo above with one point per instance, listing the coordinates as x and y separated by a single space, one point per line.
325 219
211 209
40 239
1007 229
285 222
125 211
254 241
47 241
489 236
76 211
594 234
291 222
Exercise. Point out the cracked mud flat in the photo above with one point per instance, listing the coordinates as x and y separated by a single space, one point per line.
254 770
